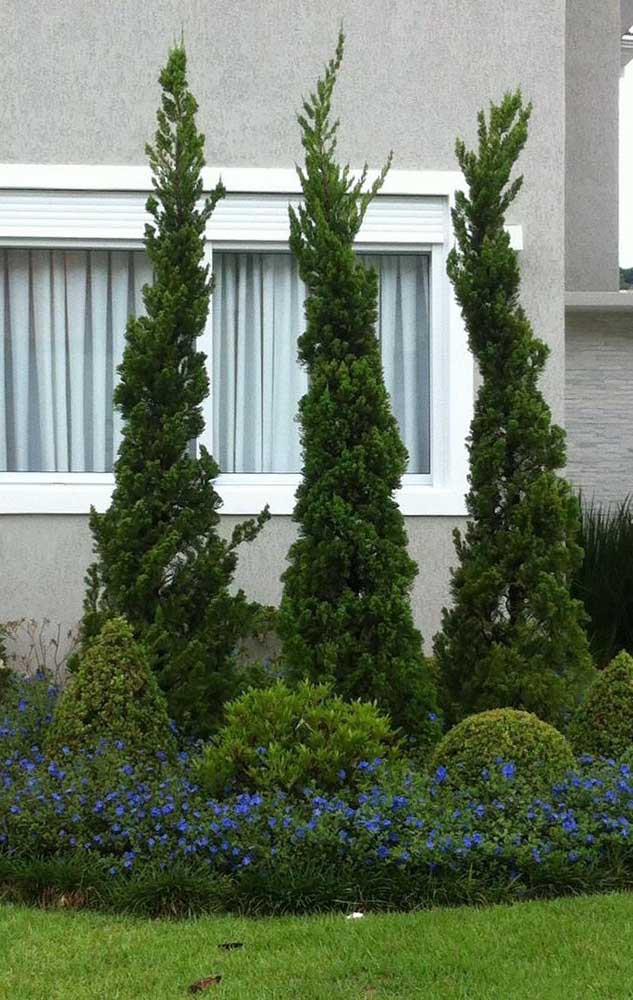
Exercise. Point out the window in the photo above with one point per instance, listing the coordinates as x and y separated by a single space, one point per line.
63 314
258 311
72 268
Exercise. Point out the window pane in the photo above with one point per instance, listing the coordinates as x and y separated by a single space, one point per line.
257 381
63 315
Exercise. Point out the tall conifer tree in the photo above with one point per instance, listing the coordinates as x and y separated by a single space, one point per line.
160 560
514 636
345 614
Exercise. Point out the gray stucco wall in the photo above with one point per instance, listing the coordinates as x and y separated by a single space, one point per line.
79 86
44 559
598 404
591 195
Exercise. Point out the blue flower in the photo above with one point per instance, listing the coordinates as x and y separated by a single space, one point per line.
261 750
508 771
440 775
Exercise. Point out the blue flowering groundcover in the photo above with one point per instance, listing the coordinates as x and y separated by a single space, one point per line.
141 834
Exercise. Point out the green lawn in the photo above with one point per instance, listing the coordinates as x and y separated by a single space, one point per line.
573 948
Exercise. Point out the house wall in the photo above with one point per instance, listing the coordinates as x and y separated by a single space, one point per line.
79 86
591 193
598 404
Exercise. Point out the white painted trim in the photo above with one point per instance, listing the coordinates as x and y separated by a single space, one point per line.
53 205
75 493
273 180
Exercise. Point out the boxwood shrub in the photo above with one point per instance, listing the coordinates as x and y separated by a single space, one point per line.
603 725
517 745
113 695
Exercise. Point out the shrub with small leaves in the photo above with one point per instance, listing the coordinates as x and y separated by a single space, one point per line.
519 746
514 636
345 614
283 738
113 696
603 725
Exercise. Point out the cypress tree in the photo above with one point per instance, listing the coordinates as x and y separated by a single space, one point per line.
160 560
345 615
514 636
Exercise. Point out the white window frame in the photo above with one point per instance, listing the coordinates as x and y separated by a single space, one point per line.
94 206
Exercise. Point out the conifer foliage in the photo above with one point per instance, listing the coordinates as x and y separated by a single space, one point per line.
514 636
345 616
160 560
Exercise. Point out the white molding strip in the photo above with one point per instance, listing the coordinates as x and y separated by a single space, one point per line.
88 177
32 493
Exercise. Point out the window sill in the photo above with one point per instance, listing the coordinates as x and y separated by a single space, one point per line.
48 493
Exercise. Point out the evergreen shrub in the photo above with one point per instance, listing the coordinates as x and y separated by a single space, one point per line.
345 615
113 696
519 747
603 725
514 636
160 559
287 738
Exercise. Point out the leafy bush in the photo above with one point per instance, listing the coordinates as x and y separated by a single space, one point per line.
604 580
26 711
603 725
283 738
526 751
112 695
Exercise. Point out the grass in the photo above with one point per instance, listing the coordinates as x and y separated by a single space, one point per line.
572 948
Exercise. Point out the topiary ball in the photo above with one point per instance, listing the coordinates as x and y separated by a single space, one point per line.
113 696
287 738
603 725
503 743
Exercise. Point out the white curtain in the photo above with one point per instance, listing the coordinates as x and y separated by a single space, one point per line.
63 315
257 382
404 333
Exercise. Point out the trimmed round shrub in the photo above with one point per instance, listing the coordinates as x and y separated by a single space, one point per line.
287 738
113 696
603 725
504 742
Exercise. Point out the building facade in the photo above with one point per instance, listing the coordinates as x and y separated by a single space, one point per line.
80 86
